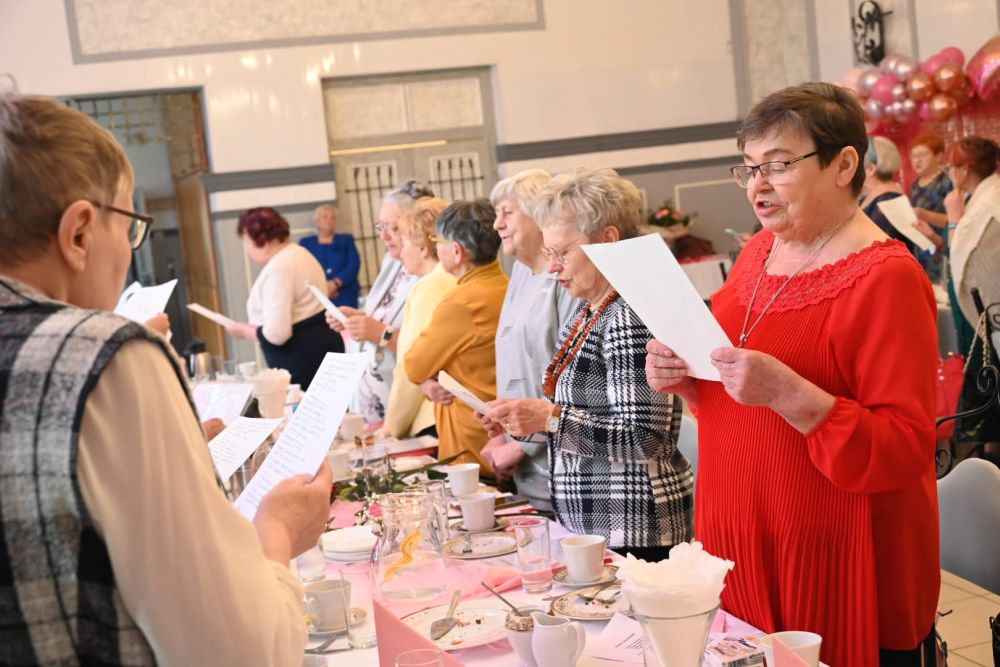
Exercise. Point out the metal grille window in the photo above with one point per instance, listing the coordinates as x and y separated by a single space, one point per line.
366 185
456 176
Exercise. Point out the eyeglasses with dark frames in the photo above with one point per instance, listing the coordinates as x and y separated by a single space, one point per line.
139 228
773 171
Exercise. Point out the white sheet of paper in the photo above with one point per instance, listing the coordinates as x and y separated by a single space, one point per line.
621 640
654 285
225 400
303 444
463 394
127 293
329 305
144 303
901 215
218 318
238 441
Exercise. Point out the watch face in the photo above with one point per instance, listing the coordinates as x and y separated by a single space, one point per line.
552 424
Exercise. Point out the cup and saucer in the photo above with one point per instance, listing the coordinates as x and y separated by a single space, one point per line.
357 616
609 573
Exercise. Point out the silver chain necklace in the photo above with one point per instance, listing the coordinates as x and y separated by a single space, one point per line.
744 332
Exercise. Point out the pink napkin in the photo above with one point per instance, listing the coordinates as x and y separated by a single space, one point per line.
786 657
342 512
497 577
719 622
394 637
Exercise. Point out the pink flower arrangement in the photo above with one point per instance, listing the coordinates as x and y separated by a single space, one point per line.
668 216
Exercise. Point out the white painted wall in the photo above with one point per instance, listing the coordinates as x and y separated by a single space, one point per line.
966 24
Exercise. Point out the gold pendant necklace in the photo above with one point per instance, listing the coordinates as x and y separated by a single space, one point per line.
744 332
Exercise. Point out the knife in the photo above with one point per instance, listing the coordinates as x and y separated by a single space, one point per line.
443 626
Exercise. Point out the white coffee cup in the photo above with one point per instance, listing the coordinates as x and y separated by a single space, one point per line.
584 556
463 479
325 604
477 510
806 645
340 464
247 369
352 426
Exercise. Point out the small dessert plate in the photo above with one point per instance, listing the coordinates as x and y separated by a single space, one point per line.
609 574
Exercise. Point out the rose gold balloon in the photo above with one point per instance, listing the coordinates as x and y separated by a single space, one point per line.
963 92
984 69
919 87
874 110
899 92
948 77
867 80
942 106
904 67
907 111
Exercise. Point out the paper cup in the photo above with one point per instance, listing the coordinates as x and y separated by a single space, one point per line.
478 510
463 479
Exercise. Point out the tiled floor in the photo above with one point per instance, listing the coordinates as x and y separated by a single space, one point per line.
966 629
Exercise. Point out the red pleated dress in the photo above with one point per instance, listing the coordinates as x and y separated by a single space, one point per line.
834 532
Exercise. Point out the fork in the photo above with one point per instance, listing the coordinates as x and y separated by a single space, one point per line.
591 597
467 545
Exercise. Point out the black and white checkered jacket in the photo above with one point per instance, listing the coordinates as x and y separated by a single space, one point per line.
616 470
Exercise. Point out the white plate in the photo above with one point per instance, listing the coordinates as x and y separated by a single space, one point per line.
499 524
490 626
408 463
610 573
362 557
484 545
572 606
350 540
357 615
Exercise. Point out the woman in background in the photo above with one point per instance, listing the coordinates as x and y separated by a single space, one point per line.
927 195
284 316
882 163
338 256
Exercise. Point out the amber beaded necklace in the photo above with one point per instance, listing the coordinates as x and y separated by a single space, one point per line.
574 341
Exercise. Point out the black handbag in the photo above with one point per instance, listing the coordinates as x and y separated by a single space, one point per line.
995 628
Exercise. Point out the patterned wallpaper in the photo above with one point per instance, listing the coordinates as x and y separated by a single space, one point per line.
119 29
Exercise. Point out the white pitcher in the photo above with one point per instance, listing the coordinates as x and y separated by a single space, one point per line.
556 642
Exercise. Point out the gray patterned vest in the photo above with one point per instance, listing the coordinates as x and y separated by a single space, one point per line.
59 604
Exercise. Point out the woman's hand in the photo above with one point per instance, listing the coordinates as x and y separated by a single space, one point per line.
502 456
212 427
520 416
333 288
756 378
435 392
954 205
348 312
666 372
364 328
292 515
159 323
242 330
929 232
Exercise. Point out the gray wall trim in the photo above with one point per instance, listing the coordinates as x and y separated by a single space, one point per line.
813 41
80 58
911 16
741 57
615 142
267 178
725 161
284 209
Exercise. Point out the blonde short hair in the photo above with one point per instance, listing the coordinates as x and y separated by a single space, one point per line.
520 188
50 156
884 155
419 223
324 207
590 199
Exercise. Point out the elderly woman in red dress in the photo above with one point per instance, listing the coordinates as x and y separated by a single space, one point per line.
816 464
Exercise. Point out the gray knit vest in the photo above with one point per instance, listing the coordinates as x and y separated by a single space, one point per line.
59 603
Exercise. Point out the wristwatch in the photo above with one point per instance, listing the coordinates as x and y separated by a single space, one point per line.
552 423
386 336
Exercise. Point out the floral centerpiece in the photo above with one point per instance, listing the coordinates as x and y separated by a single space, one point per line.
667 215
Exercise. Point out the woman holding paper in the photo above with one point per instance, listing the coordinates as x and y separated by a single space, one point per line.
337 254
882 164
615 467
376 328
285 318
816 471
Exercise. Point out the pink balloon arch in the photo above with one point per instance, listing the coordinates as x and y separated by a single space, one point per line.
944 95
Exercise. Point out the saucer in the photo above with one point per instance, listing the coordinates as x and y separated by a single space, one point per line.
357 616
499 524
610 573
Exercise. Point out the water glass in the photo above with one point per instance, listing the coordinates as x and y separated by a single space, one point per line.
311 565
438 491
421 657
359 610
534 556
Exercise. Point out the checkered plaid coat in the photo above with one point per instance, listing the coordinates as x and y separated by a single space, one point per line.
616 470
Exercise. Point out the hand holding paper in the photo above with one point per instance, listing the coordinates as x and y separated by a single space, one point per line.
654 285
329 305
901 215
462 394
141 304
218 318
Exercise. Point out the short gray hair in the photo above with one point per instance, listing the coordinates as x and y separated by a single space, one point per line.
324 207
884 155
405 194
520 188
470 224
590 199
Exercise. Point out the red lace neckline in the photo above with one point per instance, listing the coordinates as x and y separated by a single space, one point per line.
809 287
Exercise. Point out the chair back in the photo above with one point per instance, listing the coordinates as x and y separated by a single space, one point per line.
969 502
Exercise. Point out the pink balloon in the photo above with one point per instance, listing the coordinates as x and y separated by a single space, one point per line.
984 69
953 54
874 109
933 64
883 89
867 80
924 111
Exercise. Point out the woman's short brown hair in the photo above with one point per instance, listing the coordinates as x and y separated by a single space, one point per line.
419 223
263 225
980 155
830 115
933 142
50 156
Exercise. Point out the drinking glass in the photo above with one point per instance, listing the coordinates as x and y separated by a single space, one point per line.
438 491
421 657
359 611
534 556
311 565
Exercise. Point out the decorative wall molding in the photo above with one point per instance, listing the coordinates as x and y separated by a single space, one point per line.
106 30
267 178
724 161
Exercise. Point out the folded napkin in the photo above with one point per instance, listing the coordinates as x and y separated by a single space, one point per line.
497 577
354 539
395 637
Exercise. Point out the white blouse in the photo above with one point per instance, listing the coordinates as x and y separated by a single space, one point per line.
279 297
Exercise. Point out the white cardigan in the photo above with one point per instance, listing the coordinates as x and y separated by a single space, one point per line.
279 297
982 210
